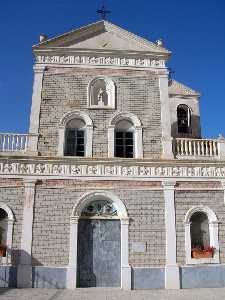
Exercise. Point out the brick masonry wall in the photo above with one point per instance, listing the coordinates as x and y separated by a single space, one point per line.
66 89
12 194
184 200
54 204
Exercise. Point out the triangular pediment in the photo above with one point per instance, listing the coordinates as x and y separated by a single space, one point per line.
102 36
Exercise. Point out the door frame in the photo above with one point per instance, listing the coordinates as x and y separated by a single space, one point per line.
71 281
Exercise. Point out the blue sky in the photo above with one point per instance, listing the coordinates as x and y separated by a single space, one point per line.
193 30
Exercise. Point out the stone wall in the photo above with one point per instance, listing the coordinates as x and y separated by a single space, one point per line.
66 89
12 194
54 203
184 200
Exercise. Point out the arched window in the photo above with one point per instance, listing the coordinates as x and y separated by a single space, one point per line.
124 139
201 236
101 93
6 229
183 119
75 138
199 230
125 136
3 231
75 134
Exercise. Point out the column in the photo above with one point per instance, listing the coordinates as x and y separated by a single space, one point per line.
172 280
89 140
221 147
138 142
111 141
24 272
167 152
35 108
72 266
125 267
61 141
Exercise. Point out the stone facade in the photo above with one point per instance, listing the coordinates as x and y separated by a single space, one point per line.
67 90
55 200
172 173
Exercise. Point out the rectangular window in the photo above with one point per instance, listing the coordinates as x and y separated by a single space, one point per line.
74 145
124 146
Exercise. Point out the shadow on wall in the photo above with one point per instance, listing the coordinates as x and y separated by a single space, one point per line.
195 130
42 277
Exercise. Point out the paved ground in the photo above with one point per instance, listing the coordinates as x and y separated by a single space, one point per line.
111 294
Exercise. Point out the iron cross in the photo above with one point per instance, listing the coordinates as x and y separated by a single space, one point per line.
103 12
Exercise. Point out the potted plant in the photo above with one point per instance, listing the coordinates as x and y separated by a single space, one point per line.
202 252
2 246
2 250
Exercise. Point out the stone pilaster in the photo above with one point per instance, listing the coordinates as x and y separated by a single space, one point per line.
125 267
172 280
24 273
167 151
72 267
35 108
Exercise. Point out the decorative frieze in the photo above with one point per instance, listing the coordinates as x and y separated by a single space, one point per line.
100 61
108 170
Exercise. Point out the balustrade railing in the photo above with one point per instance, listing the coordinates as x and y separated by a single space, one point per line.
13 142
195 148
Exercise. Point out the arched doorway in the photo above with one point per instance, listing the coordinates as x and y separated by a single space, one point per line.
98 251
99 243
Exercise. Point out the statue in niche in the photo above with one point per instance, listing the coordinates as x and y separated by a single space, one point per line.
101 93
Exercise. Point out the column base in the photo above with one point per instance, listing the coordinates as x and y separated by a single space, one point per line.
126 278
172 277
24 276
71 278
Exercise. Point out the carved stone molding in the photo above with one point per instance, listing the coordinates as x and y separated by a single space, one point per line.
109 170
100 61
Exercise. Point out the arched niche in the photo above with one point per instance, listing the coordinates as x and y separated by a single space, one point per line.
6 231
213 233
101 93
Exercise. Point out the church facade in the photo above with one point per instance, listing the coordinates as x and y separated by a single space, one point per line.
113 186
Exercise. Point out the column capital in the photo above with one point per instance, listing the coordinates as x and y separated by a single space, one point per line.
223 184
74 219
124 221
39 69
29 183
168 184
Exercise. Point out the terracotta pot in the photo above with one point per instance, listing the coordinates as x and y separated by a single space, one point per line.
2 251
201 253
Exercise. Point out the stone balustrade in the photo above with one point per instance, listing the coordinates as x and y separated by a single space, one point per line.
18 143
183 148
196 148
13 142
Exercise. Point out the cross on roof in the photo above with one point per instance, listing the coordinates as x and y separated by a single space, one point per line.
103 12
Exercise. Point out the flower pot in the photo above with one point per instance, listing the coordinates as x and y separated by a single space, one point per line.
2 251
197 253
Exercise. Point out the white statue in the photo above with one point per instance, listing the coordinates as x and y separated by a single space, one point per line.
100 97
